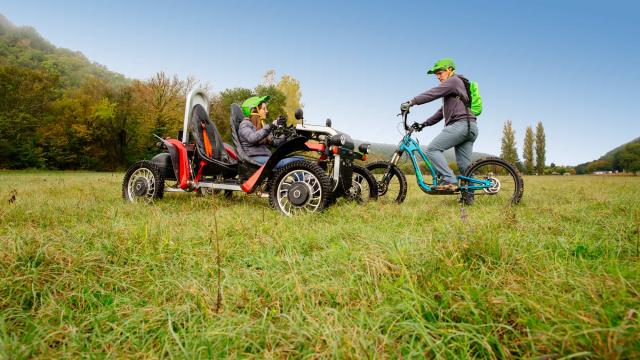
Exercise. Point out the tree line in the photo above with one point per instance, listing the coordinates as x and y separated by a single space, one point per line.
533 152
99 126
623 159
58 110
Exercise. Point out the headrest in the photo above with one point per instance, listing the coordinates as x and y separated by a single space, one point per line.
200 113
236 115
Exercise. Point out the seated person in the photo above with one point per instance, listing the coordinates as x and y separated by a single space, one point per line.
254 137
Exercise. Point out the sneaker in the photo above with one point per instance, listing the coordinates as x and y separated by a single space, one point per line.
447 187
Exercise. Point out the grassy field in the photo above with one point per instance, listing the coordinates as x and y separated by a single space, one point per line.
84 274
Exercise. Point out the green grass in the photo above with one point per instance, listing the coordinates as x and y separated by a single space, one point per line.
84 274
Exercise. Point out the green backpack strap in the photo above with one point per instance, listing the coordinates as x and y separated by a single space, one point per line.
467 104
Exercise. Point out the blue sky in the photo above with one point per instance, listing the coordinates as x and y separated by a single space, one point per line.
571 64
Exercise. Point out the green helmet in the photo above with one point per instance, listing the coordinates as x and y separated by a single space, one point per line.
442 64
253 102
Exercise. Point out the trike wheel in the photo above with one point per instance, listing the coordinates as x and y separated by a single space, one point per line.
143 182
364 186
300 187
506 184
391 182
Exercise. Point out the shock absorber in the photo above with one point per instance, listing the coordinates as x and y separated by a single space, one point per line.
395 157
394 160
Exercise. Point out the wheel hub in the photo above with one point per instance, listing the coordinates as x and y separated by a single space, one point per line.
298 194
140 187
494 186
382 188
356 190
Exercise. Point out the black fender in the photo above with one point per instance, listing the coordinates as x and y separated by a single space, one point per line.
165 164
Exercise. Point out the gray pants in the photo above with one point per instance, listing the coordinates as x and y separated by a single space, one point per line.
454 135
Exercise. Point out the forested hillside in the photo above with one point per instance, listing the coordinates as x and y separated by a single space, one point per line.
58 110
623 158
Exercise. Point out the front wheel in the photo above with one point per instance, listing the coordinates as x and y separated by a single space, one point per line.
143 182
300 187
504 179
391 182
364 186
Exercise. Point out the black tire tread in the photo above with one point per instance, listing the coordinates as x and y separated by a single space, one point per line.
402 194
159 194
371 180
510 167
325 181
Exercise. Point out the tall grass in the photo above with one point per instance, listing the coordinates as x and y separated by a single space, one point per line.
84 274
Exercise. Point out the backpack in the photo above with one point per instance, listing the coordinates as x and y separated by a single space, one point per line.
475 101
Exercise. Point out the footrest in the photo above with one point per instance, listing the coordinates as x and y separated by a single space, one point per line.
443 192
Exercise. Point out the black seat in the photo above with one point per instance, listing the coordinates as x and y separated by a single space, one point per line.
207 139
236 118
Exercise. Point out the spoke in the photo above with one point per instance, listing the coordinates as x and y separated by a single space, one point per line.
315 192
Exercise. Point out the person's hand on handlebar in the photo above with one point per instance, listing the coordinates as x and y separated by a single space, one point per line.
404 107
417 126
279 122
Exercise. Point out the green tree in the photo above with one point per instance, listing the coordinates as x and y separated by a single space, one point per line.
167 103
72 136
290 87
508 149
527 152
220 108
599 165
25 99
277 100
540 147
628 158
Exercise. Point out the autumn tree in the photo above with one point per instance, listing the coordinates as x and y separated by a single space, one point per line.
167 101
508 149
277 100
540 147
25 98
290 87
74 136
527 152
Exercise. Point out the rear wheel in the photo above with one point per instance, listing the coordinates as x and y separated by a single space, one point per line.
143 182
506 184
300 187
364 186
391 182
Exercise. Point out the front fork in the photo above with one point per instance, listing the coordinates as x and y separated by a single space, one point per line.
393 162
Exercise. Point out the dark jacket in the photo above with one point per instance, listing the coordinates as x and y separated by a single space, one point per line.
250 138
454 96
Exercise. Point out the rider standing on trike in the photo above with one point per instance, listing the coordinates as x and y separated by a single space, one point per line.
460 129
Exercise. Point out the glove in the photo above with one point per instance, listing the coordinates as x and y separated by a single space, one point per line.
417 126
280 121
277 123
405 106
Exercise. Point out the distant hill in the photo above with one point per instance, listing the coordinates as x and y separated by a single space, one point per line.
611 154
622 158
25 48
